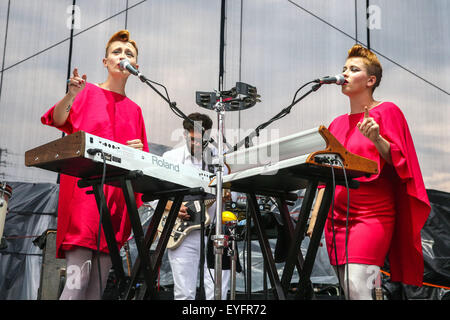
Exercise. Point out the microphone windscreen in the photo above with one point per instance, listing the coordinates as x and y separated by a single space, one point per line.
123 63
340 79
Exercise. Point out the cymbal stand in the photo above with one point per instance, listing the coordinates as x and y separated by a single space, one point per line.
219 238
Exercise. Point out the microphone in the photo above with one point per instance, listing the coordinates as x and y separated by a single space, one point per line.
338 79
125 64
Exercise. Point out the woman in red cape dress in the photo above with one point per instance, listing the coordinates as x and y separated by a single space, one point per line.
388 210
105 111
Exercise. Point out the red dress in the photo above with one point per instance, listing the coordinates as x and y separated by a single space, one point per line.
108 115
388 210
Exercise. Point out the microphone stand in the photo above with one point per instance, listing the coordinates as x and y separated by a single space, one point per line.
174 108
219 238
172 105
247 141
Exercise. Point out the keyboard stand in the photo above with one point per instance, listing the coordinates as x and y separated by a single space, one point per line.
124 182
148 292
145 266
305 288
266 250
295 257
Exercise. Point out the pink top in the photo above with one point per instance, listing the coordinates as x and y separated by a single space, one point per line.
108 115
388 210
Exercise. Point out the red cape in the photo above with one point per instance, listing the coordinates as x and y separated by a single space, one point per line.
413 206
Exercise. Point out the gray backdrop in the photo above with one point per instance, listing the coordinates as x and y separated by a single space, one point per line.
275 45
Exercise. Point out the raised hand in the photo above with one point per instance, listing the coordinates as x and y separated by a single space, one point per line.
369 127
76 83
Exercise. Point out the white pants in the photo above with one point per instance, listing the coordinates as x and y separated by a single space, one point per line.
82 281
362 279
184 262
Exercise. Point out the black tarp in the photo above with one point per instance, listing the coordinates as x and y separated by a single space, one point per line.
436 254
436 240
32 209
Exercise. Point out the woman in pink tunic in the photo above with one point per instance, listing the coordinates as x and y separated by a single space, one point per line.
105 111
388 210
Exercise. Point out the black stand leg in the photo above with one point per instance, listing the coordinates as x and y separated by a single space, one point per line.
108 231
149 236
148 291
162 244
295 256
265 248
144 263
304 287
138 233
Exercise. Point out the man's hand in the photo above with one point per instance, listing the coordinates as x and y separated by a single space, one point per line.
183 214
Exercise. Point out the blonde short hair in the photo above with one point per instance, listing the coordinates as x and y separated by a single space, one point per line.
370 61
122 35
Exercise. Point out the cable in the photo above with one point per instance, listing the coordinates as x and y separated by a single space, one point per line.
296 92
346 223
244 259
100 224
159 84
332 222
171 104
209 237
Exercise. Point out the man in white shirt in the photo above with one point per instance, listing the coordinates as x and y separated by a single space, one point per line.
184 260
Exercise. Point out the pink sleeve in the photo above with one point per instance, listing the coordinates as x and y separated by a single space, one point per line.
399 162
74 119
47 119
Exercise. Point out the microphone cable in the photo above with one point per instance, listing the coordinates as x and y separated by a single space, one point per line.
209 238
146 80
100 209
298 90
332 222
178 112
346 225
171 104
